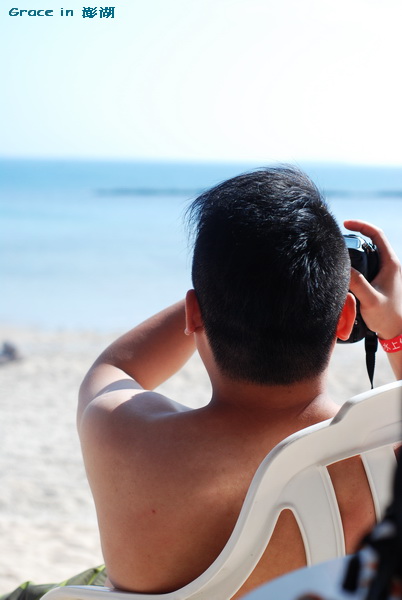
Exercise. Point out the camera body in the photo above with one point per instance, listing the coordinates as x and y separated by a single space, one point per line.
365 259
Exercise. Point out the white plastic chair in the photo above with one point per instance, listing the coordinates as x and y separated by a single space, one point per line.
294 476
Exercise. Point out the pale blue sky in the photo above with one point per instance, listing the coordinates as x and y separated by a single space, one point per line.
255 80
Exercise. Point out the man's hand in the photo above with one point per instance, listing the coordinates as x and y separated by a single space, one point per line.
380 300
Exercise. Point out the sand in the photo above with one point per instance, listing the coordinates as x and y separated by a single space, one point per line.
48 528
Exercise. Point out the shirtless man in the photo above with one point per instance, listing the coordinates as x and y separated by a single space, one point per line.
271 276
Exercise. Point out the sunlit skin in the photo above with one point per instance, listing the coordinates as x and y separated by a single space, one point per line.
169 481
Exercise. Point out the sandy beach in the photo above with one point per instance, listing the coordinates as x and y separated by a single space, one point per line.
48 528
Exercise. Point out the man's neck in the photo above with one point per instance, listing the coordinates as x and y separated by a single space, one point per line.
306 400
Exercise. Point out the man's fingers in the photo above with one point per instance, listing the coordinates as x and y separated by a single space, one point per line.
376 235
362 289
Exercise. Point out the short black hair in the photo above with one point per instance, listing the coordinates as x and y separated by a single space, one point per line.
271 273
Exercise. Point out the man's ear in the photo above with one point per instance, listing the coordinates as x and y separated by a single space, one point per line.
193 313
347 318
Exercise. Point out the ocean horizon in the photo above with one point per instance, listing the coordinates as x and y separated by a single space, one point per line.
102 245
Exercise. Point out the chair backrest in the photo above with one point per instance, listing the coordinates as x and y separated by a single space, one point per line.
294 476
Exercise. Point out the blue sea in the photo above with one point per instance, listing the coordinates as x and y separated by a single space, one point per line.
102 245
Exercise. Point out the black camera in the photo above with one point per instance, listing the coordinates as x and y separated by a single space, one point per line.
364 258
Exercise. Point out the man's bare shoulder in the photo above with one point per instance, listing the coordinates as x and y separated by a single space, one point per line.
126 408
107 391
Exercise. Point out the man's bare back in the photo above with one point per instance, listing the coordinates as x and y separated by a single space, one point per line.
271 276
169 482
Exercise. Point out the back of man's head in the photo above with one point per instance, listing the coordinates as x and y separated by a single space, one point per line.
271 273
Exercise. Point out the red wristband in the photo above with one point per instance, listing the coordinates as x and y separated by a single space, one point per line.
394 345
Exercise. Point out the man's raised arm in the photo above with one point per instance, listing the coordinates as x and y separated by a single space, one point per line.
141 359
